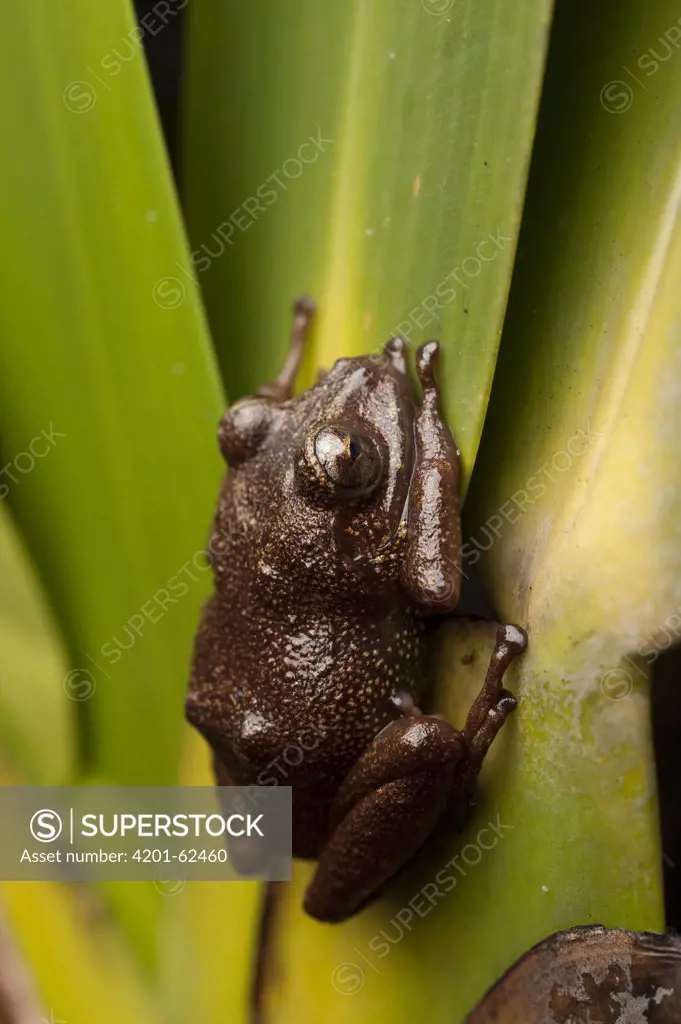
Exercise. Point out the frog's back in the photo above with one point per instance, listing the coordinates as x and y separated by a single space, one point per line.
294 699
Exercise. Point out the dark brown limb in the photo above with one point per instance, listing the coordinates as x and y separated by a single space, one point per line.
431 573
281 388
489 711
383 812
510 642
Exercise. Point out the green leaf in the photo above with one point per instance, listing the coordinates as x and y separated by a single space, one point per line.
83 969
210 931
404 217
37 726
112 390
576 491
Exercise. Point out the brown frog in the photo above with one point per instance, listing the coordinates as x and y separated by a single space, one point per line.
337 531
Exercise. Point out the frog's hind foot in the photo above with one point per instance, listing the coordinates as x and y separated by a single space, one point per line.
383 812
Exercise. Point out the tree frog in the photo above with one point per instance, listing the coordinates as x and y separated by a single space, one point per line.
337 532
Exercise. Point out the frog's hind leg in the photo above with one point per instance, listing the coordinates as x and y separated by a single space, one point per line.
417 774
281 388
383 812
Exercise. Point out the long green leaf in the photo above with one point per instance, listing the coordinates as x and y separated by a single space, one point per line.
110 398
114 390
37 719
574 510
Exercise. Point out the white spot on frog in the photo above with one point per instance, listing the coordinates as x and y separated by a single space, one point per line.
253 724
514 636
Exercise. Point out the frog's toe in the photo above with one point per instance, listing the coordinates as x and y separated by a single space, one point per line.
396 349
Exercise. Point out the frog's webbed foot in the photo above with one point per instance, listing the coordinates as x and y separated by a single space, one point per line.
383 812
489 711
281 388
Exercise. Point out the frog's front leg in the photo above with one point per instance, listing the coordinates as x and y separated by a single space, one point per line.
431 571
281 388
383 812
245 425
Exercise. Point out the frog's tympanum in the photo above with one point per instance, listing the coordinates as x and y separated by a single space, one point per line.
337 531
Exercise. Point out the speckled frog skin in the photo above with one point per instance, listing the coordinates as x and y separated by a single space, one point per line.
337 531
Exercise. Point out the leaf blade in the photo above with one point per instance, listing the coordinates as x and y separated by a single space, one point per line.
98 357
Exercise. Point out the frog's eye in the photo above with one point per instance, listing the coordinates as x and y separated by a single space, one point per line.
350 460
243 428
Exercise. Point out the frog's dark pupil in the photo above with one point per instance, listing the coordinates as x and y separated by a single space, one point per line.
355 449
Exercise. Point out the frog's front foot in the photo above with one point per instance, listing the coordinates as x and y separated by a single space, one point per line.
418 771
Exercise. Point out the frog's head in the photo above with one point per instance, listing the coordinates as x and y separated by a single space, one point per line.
334 463
357 432
355 454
